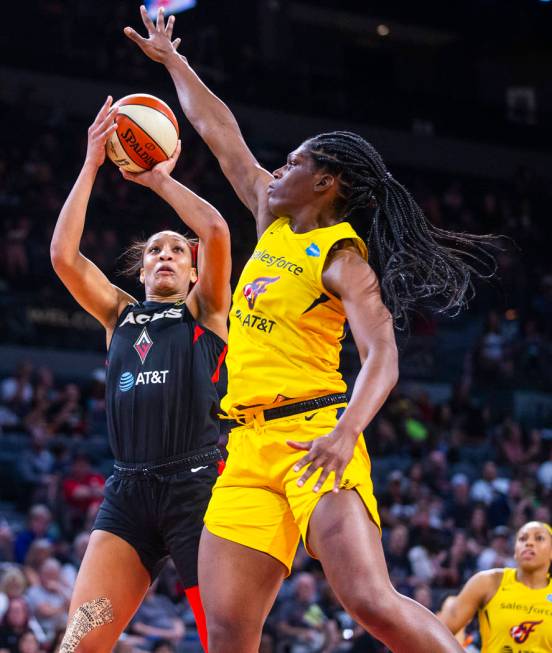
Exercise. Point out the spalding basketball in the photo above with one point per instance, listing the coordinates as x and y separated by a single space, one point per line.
146 134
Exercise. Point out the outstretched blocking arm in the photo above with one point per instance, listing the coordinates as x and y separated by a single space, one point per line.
478 591
84 280
209 300
210 117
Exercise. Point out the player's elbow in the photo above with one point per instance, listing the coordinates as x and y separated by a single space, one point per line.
59 256
216 228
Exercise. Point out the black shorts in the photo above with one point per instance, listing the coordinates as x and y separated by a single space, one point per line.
158 509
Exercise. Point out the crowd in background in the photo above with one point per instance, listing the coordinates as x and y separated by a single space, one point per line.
454 478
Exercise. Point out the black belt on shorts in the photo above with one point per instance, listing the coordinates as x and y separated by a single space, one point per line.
296 408
198 458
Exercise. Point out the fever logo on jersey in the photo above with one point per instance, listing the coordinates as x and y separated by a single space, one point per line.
143 344
521 632
257 287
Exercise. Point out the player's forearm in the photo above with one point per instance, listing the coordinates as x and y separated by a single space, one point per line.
207 113
197 214
377 377
67 235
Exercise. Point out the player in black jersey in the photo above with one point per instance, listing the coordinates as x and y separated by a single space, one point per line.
164 357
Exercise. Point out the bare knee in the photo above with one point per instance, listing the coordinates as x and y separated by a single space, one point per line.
244 634
376 611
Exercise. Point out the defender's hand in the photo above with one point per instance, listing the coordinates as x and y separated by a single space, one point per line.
99 132
158 46
154 177
331 453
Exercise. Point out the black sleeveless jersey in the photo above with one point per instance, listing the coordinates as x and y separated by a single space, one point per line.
161 398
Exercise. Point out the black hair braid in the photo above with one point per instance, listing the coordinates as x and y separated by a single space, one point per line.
416 262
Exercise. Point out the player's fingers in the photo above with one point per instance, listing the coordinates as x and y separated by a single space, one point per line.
322 479
106 133
160 22
104 109
301 463
134 36
148 22
169 27
302 446
308 473
176 43
174 156
338 476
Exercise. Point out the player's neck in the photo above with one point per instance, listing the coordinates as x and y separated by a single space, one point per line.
166 299
309 218
535 580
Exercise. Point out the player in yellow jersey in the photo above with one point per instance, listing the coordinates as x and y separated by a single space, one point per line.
514 606
296 466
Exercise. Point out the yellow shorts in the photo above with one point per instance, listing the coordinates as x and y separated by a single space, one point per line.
257 502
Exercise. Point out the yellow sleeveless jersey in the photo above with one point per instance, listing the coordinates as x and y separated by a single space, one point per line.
285 327
517 619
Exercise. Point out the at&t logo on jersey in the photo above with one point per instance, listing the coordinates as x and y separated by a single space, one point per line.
127 380
143 344
257 287
521 632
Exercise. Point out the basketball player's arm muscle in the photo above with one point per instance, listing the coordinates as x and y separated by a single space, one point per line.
210 117
476 593
372 329
84 280
210 298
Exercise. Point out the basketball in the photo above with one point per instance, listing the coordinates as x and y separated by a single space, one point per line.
147 133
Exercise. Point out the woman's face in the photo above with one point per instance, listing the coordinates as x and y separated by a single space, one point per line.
295 184
28 644
17 613
533 548
167 265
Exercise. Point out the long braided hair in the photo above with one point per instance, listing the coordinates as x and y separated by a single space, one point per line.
416 263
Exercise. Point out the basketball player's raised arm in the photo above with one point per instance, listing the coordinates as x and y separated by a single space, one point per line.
459 611
84 280
211 294
210 117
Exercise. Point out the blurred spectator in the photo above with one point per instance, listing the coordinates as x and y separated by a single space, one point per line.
49 601
16 621
302 622
157 619
35 468
71 567
16 392
66 415
39 520
12 586
28 643
485 488
398 562
498 554
82 491
459 506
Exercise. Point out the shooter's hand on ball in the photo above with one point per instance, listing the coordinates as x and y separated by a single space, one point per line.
99 132
154 178
158 46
